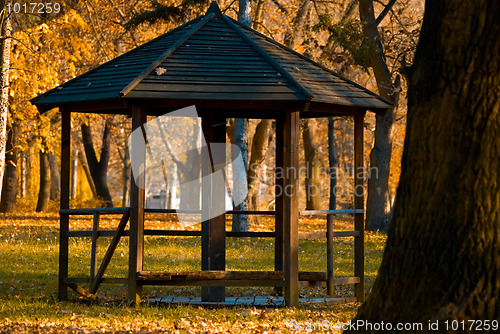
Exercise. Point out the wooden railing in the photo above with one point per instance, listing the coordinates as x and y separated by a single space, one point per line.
211 278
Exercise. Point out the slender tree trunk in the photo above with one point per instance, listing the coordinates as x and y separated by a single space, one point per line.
74 174
260 144
86 170
44 189
98 169
10 182
378 203
5 45
293 37
23 169
240 222
333 162
126 177
313 182
55 179
441 258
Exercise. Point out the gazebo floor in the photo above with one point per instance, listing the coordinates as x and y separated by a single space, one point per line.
257 301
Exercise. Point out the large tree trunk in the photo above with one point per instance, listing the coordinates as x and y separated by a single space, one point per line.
98 168
441 259
378 203
10 182
5 44
44 189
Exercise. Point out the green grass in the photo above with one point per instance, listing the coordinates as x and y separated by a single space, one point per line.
28 282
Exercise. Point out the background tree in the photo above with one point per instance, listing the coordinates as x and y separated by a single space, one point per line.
378 203
98 168
5 46
441 259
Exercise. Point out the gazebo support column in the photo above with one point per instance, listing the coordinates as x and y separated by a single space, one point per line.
289 211
137 202
359 204
279 251
64 204
213 249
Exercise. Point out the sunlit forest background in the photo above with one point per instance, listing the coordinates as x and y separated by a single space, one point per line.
48 52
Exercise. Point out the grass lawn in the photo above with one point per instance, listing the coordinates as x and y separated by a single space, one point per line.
28 280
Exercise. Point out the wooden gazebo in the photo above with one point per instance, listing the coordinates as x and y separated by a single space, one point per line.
226 70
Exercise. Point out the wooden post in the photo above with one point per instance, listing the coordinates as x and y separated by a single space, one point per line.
290 209
279 251
213 200
137 202
64 203
329 254
359 204
93 251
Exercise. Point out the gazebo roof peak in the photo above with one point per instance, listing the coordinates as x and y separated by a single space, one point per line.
213 58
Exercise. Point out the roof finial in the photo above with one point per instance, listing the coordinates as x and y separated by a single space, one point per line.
214 8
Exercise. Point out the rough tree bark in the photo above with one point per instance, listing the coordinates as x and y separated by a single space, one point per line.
98 168
10 182
441 258
5 44
378 203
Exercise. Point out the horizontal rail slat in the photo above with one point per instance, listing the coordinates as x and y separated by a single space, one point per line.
229 212
330 212
209 275
322 235
175 233
91 211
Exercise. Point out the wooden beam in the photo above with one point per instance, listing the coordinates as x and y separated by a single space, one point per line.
81 291
93 248
137 203
64 202
213 193
359 204
209 275
330 212
279 250
323 235
91 211
109 253
291 206
329 254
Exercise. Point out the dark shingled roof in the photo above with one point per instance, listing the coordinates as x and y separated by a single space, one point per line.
213 58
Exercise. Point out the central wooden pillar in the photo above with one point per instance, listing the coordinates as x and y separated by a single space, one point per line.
64 218
213 241
287 211
359 204
137 203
